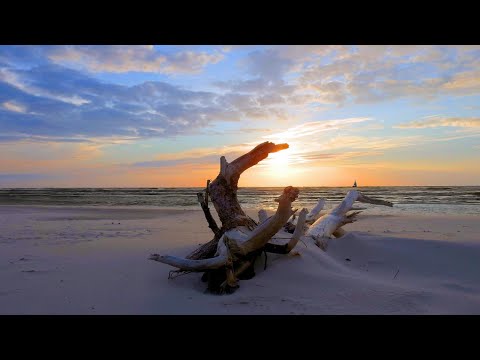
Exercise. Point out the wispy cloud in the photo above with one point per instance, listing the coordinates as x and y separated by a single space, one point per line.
242 130
371 142
457 136
210 155
314 127
464 82
322 157
137 58
13 79
331 141
438 121
15 107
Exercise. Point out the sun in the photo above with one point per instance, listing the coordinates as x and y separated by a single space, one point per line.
278 163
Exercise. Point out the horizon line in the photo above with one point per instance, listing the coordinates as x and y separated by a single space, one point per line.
202 187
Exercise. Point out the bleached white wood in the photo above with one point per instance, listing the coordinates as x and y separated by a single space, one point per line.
220 259
315 212
262 215
299 230
326 226
266 230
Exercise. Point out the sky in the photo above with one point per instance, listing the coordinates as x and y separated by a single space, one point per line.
161 116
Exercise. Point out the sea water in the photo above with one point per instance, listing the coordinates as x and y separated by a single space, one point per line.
406 199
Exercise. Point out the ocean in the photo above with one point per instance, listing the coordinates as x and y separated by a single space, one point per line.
406 199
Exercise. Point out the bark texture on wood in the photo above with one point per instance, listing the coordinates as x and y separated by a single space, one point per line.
223 190
212 224
207 250
235 246
223 194
257 238
231 254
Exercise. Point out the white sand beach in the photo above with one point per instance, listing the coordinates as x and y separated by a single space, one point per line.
90 260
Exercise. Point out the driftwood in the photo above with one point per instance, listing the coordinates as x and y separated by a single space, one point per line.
330 225
231 254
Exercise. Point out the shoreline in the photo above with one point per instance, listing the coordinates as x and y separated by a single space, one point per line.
252 211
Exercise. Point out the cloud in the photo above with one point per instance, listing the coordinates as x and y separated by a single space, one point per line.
175 162
436 121
279 83
464 82
294 156
460 136
242 130
197 156
15 107
338 157
43 139
138 58
298 76
331 141
22 55
373 143
330 92
346 147
13 78
269 64
311 128
262 98
379 73
64 103
335 74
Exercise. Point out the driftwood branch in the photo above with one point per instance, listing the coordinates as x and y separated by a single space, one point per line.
207 250
212 224
232 252
223 190
195 265
237 243
329 225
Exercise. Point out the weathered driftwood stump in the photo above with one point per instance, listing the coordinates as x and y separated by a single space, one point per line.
231 254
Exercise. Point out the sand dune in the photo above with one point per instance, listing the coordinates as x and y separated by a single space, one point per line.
65 260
